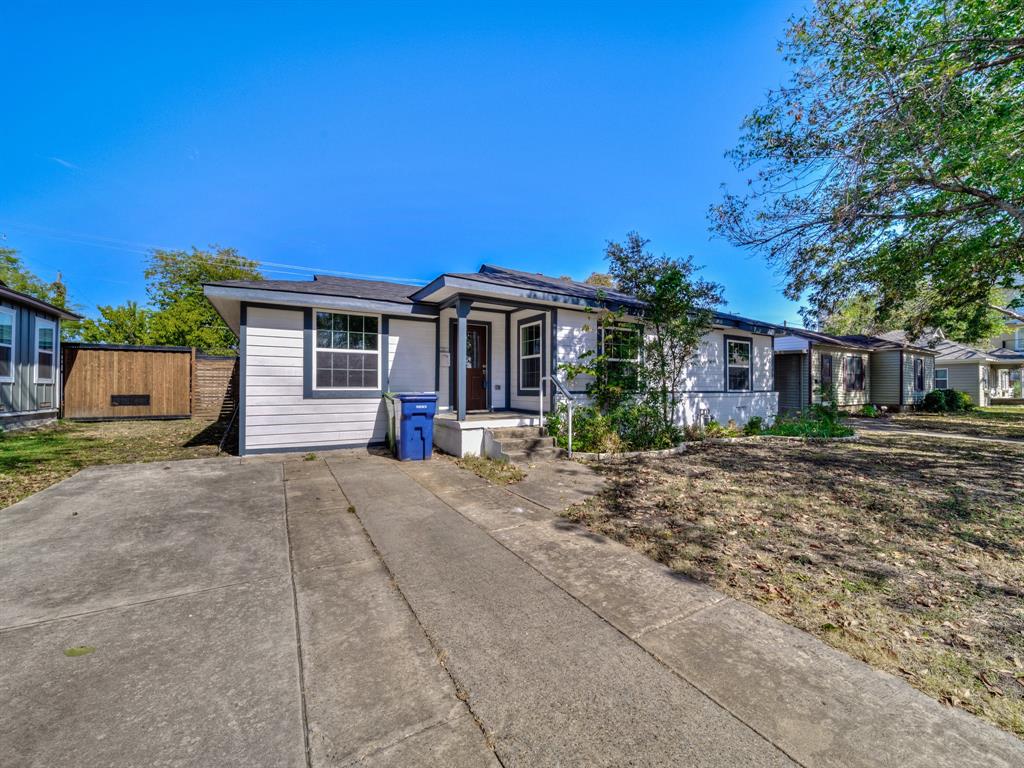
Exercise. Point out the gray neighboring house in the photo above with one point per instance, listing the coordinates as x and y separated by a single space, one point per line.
882 370
30 375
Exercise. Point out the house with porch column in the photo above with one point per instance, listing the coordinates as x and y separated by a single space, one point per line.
317 356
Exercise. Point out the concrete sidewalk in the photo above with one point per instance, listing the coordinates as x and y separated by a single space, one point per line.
576 650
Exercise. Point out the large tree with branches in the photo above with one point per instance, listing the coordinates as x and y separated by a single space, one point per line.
891 166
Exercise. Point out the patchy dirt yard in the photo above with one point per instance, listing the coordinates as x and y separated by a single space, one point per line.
906 553
33 460
992 421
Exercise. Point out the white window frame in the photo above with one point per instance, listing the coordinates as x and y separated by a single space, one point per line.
749 366
13 314
381 361
945 375
618 328
539 355
40 325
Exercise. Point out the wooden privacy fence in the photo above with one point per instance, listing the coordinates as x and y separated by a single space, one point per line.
106 381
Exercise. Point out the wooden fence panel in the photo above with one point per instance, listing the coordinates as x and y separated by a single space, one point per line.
214 387
139 382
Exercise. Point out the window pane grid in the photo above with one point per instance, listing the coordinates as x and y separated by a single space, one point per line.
346 351
737 365
529 356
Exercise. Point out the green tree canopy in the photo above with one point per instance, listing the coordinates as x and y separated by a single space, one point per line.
16 276
890 166
125 324
181 314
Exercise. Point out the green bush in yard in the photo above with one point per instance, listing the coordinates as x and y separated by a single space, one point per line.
755 426
935 401
630 426
869 411
958 401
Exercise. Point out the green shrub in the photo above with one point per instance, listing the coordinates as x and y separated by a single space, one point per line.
754 427
714 429
627 427
640 427
870 411
958 401
935 401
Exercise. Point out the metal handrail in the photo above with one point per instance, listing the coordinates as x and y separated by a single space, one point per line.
566 394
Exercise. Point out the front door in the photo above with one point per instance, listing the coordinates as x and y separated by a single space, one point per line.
476 369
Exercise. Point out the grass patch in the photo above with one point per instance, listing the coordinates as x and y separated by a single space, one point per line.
79 650
907 554
991 421
33 460
498 472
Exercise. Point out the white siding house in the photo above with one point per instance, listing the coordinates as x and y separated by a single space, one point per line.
317 356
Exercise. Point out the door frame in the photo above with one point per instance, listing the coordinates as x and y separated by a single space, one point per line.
453 330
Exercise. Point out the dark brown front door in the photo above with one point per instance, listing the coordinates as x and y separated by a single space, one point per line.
476 368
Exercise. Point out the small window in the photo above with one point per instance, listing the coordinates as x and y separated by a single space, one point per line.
45 341
737 364
6 344
854 374
530 347
346 355
620 344
918 374
826 372
942 378
1018 340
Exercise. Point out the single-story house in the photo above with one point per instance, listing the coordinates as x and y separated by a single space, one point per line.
881 370
30 372
317 355
985 376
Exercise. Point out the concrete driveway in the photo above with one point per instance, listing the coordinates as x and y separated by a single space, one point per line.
354 610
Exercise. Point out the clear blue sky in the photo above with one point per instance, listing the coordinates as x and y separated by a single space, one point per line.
395 140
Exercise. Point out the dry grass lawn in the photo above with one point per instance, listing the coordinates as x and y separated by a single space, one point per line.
906 553
992 421
33 460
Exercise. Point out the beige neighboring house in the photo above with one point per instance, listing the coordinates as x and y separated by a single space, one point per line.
988 377
884 370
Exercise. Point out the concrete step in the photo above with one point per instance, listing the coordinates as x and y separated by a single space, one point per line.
500 433
540 454
525 443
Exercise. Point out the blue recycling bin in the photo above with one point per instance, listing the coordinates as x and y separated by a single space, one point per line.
414 428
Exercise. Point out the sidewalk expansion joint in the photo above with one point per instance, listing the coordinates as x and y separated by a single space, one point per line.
298 631
681 617
439 653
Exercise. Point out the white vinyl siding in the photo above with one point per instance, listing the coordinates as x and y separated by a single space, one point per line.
577 333
911 393
969 378
411 356
277 416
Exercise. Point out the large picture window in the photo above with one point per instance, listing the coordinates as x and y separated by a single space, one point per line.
737 365
45 342
620 344
855 374
346 354
6 344
530 352
942 378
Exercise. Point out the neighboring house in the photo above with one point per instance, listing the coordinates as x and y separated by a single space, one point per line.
986 376
30 375
882 370
317 355
806 361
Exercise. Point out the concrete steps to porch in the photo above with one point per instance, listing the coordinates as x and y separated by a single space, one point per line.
521 445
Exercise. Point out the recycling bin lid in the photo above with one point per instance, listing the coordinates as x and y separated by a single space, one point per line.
414 396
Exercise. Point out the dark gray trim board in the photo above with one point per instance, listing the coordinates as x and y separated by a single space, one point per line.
311 393
520 392
315 448
508 359
242 384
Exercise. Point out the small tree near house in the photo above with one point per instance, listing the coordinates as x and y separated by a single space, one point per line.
635 373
